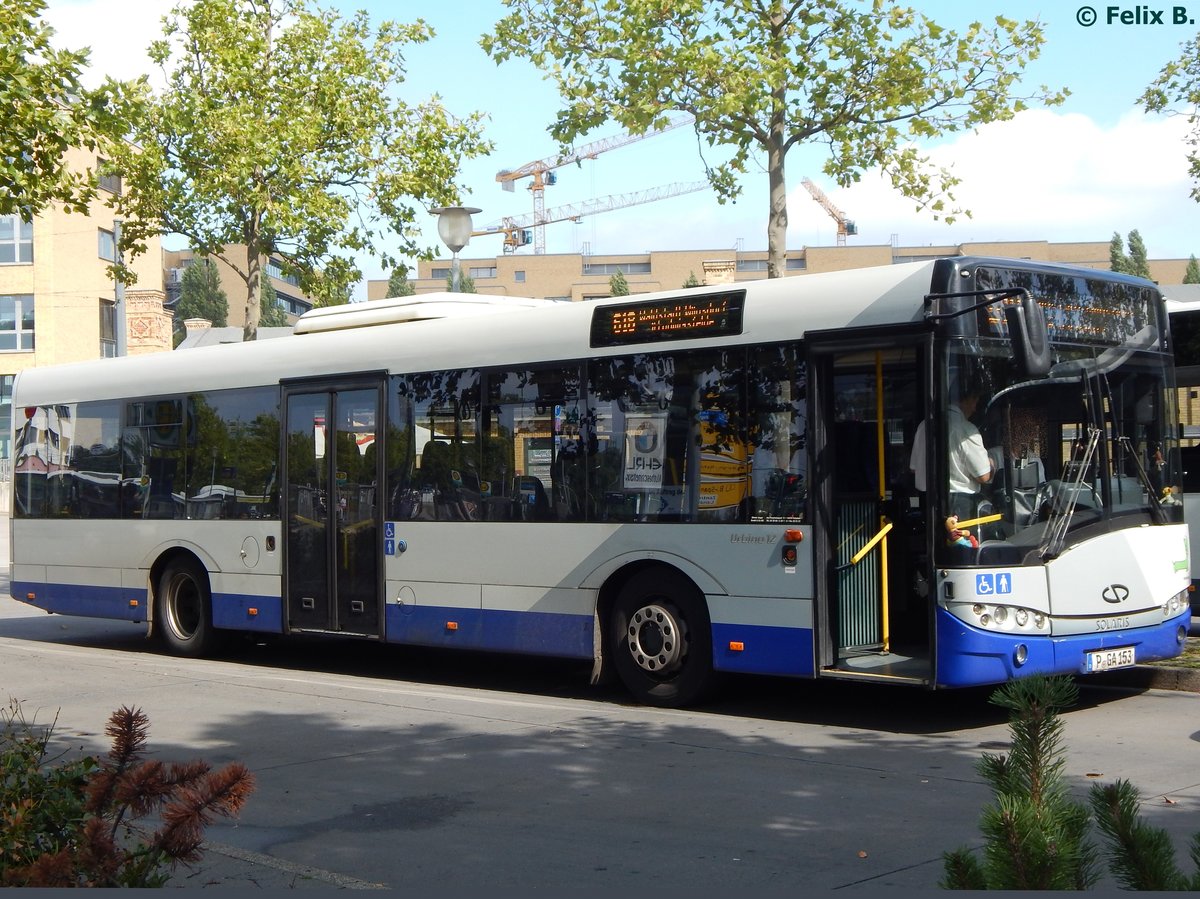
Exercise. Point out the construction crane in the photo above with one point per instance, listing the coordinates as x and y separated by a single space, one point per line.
542 171
516 229
844 225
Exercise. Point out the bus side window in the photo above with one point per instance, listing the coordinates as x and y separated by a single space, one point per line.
29 472
778 403
530 434
433 449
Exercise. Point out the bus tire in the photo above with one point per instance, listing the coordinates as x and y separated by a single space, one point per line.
183 610
661 639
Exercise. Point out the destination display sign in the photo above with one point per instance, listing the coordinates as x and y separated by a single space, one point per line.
714 315
1079 309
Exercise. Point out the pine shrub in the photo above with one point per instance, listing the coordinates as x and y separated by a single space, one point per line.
79 822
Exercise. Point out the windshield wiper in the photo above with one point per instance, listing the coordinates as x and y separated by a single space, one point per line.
1156 510
1064 501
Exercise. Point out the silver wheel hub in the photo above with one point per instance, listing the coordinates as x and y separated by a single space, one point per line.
183 607
656 639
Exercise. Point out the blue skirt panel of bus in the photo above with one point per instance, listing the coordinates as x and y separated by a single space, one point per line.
969 656
786 651
229 610
531 633
234 611
86 600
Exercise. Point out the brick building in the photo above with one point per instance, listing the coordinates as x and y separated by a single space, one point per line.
578 277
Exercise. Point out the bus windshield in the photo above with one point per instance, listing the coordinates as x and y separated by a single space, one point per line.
1031 465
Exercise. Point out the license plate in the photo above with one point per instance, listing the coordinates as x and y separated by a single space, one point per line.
1107 659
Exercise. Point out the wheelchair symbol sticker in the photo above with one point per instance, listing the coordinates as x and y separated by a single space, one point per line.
992 584
389 529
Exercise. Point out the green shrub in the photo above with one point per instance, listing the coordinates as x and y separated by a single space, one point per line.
1035 836
68 823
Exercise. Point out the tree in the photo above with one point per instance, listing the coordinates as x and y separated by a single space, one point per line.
1138 263
200 294
692 281
1192 274
273 315
78 823
398 283
48 111
617 285
466 284
1036 836
1179 84
1117 260
279 131
762 78
1141 856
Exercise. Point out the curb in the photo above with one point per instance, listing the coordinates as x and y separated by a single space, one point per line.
1152 677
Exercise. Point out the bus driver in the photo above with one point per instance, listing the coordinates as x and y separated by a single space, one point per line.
968 465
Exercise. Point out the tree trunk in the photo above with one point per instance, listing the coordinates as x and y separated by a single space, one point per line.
777 216
253 293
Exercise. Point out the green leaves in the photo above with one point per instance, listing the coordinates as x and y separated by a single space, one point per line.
279 132
1177 90
47 111
759 78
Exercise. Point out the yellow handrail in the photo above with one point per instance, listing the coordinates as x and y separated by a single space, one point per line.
986 519
883 531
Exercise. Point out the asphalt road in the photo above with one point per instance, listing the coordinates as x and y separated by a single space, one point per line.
382 767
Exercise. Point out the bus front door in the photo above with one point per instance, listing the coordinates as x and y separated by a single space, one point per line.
332 564
873 621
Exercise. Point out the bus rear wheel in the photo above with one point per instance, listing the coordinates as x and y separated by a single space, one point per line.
661 639
183 616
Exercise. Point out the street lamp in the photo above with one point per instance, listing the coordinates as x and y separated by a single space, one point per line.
454 228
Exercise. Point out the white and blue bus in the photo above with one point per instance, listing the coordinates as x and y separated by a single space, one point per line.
671 485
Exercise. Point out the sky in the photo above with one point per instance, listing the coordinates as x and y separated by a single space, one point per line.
1081 171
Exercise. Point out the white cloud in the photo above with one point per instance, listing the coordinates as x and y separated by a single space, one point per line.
1044 175
117 34
1050 176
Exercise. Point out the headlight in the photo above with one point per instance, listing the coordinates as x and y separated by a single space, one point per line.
1010 619
1175 604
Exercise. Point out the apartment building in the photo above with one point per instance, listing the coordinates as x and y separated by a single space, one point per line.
585 277
57 301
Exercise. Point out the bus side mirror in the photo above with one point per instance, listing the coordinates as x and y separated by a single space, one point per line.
1027 330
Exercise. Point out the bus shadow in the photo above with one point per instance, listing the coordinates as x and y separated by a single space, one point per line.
877 707
884 707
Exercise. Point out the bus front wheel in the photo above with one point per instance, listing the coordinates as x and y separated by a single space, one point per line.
184 609
662 640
